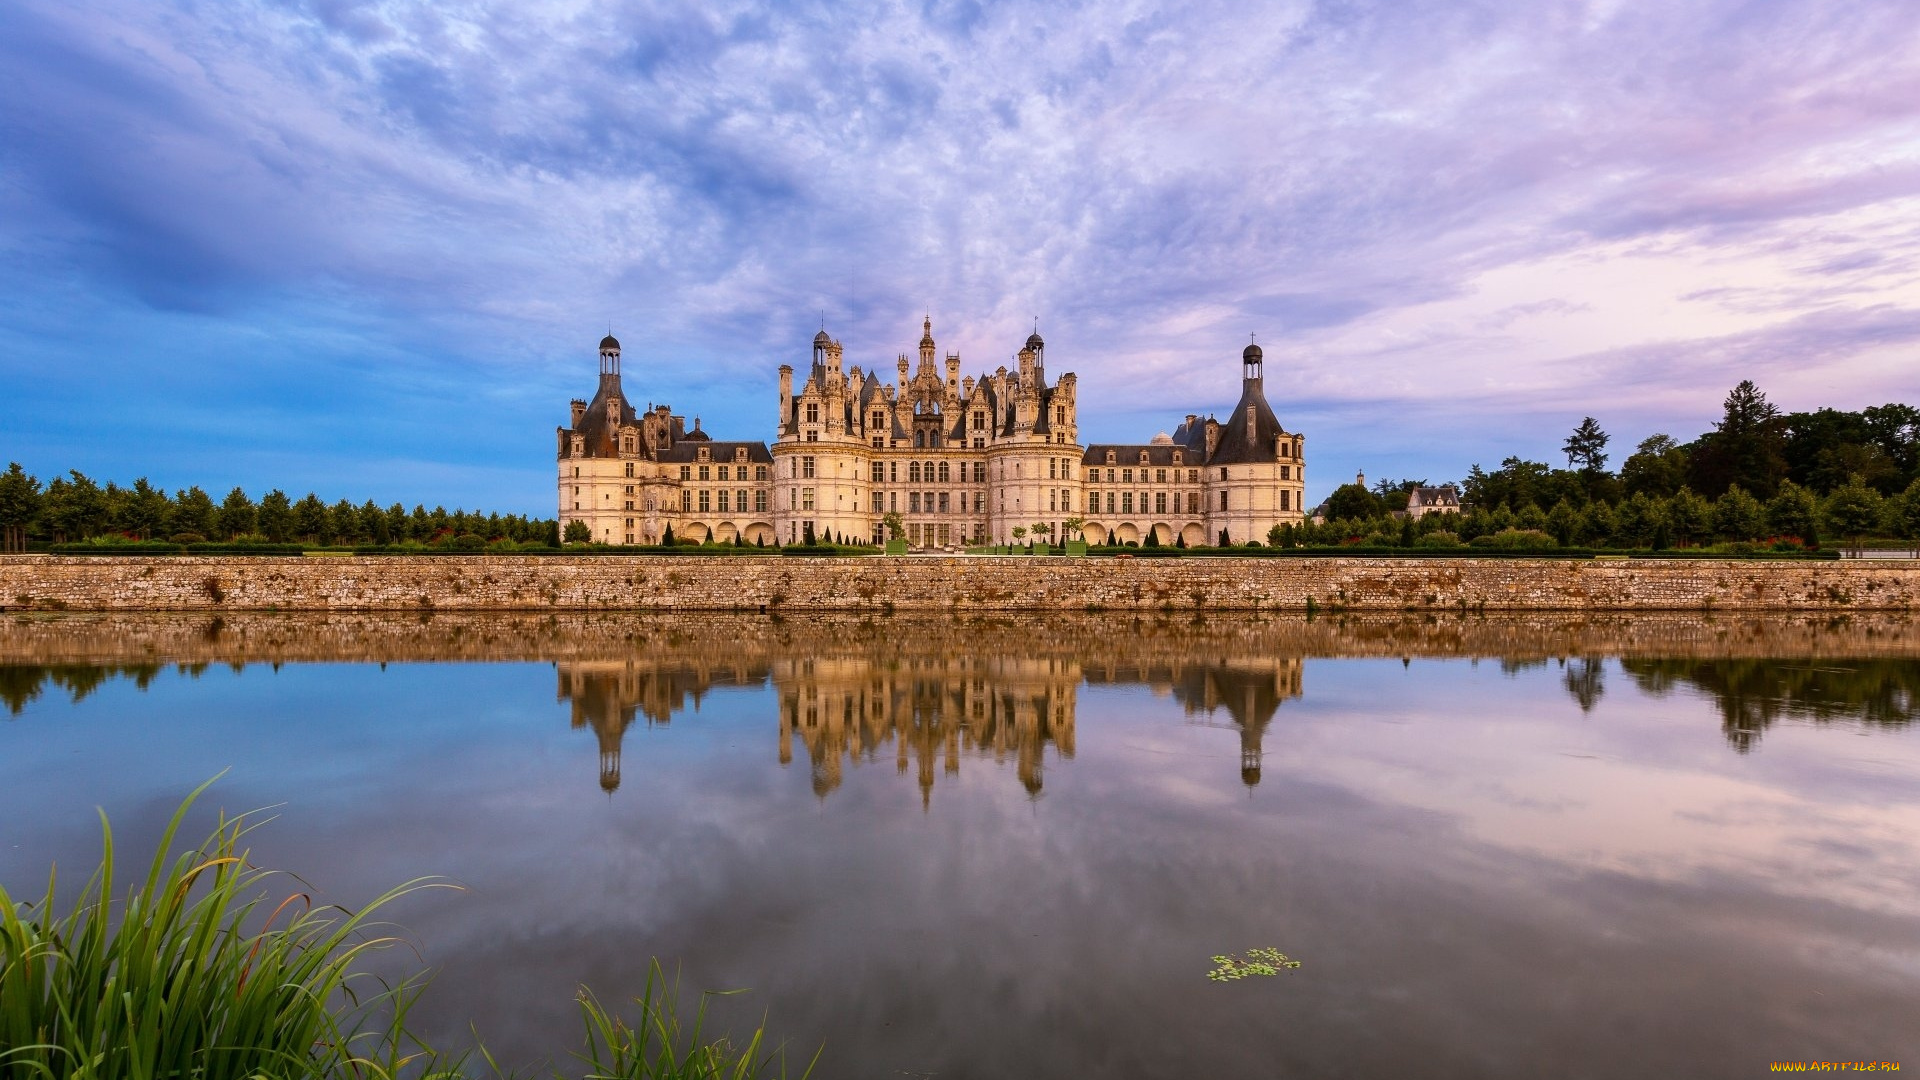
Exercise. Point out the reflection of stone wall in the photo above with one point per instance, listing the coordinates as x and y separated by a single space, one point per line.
1101 644
773 583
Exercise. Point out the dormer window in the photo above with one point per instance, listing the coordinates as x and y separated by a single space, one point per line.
813 413
1143 457
740 454
1176 457
1110 457
704 455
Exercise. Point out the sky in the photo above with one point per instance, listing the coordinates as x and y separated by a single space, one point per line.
368 249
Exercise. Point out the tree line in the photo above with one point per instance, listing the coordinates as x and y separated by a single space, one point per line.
75 508
1760 474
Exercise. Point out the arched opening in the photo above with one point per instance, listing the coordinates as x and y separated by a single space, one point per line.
1194 535
1096 533
760 532
695 531
1163 534
725 532
1126 534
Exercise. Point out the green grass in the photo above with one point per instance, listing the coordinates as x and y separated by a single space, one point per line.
212 968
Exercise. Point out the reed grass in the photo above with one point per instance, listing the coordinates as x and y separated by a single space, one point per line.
192 976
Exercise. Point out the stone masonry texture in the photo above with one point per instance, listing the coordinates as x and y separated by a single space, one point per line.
796 585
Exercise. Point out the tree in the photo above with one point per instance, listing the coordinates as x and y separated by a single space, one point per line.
1276 535
310 518
1737 515
1853 509
666 538
145 509
193 513
1901 514
1393 494
236 515
1071 527
896 525
19 505
578 533
1019 533
274 519
1689 516
1586 447
1792 512
1563 521
1746 448
1657 467
1351 501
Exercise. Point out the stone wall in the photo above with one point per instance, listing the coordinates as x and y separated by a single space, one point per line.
943 584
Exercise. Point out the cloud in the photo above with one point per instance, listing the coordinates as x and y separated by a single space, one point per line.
1365 185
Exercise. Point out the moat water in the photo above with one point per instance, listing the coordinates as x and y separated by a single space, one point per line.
1009 848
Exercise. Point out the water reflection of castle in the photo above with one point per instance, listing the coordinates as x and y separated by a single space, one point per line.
925 711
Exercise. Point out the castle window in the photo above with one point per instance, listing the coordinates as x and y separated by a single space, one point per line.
1109 502
813 413
1159 502
813 436
879 472
1193 476
1159 476
806 498
913 471
913 502
893 500
1126 502
1109 471
1060 414
1176 457
740 454
629 504
920 439
1193 502
760 501
1126 475
1053 468
703 453
740 499
979 421
686 502
759 472
879 443
979 444
1223 472
629 470
944 467
979 472
893 472
1051 496
879 420
706 472
1110 460
706 500
725 502
943 502
806 468
686 472
724 471
1286 500
879 503
1286 472
1223 497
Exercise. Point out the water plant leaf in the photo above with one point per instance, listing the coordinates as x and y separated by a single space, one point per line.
1254 962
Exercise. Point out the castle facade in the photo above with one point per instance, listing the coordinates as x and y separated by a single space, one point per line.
960 460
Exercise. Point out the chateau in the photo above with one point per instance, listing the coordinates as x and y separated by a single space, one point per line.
961 460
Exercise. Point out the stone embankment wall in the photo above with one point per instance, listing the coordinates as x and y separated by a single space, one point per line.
1140 640
949 584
